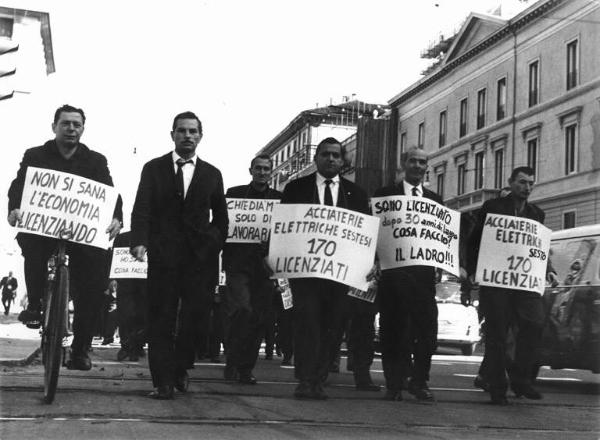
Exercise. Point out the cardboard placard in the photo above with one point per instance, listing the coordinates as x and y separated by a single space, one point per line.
249 220
124 265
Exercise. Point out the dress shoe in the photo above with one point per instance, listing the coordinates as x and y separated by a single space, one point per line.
230 372
367 386
79 362
108 341
31 317
480 382
122 354
247 378
420 391
498 399
393 395
286 361
317 392
182 382
526 391
163 392
303 391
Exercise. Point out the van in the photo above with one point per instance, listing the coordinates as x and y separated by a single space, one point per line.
571 337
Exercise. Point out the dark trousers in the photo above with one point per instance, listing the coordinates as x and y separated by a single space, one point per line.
270 322
6 302
408 327
361 344
88 279
501 307
131 312
178 308
318 312
248 299
284 336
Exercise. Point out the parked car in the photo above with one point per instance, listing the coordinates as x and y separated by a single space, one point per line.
571 336
458 326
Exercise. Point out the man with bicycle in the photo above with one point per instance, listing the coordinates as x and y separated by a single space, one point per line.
88 264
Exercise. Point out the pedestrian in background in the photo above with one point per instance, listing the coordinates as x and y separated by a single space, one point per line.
180 220
9 285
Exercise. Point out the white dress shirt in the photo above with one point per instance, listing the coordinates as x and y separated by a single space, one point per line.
187 169
334 186
408 188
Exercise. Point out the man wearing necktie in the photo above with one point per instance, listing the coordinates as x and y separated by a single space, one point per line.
171 221
408 311
319 303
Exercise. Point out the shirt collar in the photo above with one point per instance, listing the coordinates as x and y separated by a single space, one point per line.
321 180
409 186
175 157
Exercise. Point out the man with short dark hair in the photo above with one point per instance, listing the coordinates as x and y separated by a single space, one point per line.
319 303
88 264
180 219
502 306
249 293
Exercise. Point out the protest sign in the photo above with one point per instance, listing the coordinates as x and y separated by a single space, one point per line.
53 201
322 242
513 253
416 231
249 220
124 265
286 293
366 295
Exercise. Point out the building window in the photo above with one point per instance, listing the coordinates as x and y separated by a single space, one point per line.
440 185
571 149
569 219
421 135
6 27
295 147
402 148
501 99
461 170
532 154
481 108
462 130
443 126
572 60
499 169
303 139
534 78
479 165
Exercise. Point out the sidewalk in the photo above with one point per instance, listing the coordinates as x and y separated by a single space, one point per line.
18 344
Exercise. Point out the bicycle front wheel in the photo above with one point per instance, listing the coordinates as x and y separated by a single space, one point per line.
56 314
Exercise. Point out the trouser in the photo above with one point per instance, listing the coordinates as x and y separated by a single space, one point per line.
6 302
501 307
178 308
270 322
88 279
408 328
248 299
361 344
131 312
284 337
318 313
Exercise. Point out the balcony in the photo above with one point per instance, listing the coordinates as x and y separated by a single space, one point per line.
472 200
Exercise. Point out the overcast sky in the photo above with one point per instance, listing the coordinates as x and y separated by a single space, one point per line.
247 68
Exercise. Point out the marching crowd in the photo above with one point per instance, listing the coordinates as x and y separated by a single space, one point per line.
179 225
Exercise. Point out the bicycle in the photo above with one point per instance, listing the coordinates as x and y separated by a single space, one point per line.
55 316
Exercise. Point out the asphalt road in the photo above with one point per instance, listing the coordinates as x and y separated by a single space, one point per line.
110 402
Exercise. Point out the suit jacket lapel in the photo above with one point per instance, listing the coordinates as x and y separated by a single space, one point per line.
168 169
196 182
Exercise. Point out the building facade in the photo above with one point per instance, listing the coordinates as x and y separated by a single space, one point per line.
508 93
26 39
293 149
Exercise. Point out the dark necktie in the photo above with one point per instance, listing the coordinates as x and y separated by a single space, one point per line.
179 177
328 199
415 191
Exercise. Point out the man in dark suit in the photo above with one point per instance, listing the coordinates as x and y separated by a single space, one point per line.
318 303
88 264
9 291
408 311
504 306
250 290
171 220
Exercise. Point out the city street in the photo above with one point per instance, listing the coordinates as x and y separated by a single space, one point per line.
110 402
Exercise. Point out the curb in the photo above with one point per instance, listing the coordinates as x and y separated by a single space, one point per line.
21 362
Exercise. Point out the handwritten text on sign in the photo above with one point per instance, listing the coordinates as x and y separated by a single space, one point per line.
125 266
53 201
417 231
322 242
513 253
249 220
